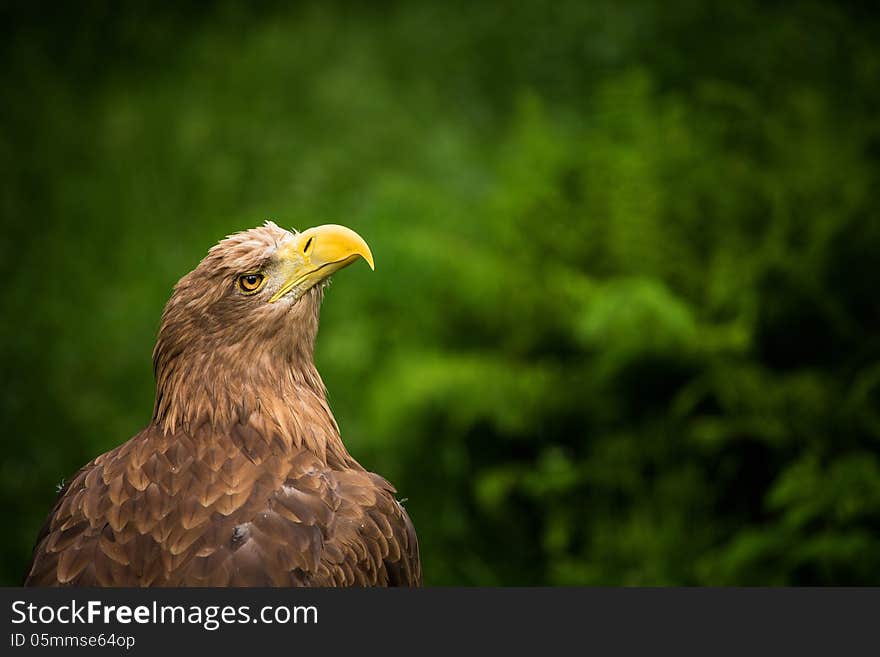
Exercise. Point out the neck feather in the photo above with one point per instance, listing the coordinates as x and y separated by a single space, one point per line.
265 391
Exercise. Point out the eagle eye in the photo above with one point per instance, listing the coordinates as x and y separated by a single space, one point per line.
250 283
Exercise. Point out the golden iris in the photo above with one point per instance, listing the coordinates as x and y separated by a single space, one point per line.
250 283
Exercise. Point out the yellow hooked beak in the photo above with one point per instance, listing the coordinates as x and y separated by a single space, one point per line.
315 254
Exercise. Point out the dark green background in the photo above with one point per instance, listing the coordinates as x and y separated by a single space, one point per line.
624 326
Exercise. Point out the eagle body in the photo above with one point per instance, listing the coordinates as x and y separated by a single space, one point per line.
241 477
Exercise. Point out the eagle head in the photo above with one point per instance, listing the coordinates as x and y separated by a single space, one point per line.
244 321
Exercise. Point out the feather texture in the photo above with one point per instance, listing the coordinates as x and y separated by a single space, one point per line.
241 478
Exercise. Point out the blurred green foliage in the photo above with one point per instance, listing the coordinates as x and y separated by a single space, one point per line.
624 326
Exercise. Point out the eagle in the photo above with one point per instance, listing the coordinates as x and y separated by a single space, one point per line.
241 477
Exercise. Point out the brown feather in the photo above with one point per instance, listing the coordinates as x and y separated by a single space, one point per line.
241 478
